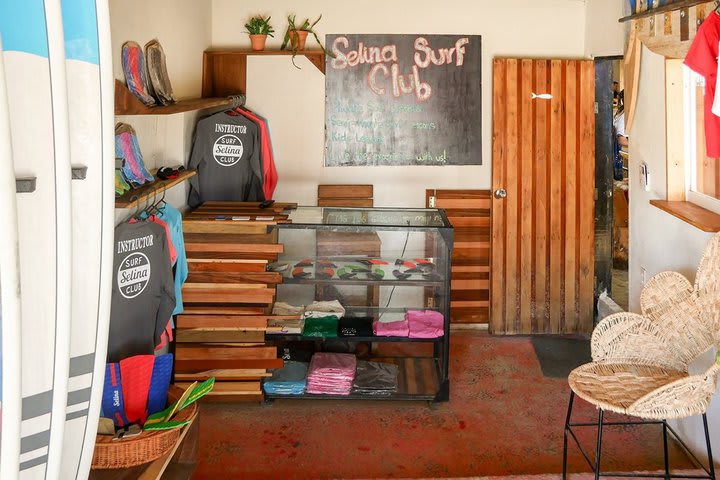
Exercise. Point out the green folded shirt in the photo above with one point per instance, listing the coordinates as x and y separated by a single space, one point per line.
325 327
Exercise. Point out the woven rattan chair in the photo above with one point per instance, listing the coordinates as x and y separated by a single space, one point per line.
640 362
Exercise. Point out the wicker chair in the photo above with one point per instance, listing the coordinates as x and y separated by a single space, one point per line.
640 362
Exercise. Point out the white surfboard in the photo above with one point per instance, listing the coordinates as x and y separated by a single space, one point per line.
88 65
10 358
34 63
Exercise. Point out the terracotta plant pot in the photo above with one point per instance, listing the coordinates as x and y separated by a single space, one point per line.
258 42
297 39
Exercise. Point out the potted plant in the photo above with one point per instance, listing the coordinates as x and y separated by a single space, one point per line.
297 33
259 28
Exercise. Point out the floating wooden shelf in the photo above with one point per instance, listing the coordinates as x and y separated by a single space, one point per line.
225 70
695 215
153 189
127 104
671 7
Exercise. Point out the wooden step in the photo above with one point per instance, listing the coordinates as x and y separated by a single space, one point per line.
224 374
192 365
224 293
226 266
229 388
266 278
238 322
183 352
214 335
225 226
255 256
212 309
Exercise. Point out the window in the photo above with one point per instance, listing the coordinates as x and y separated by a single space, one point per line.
702 172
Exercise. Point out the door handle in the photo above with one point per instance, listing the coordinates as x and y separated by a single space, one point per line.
500 193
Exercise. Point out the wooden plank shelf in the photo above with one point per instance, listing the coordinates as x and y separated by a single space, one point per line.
127 104
225 70
671 7
695 215
154 189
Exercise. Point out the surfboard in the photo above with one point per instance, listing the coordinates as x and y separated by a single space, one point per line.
88 67
9 300
34 63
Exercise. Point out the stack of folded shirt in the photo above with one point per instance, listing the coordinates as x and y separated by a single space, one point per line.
285 326
325 327
355 327
282 308
373 378
331 373
425 323
323 309
399 328
289 380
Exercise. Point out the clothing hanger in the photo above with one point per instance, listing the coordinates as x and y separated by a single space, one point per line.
717 7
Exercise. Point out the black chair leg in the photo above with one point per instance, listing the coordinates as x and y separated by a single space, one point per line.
565 438
599 444
709 448
665 449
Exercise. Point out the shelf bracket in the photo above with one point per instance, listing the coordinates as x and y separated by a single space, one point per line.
25 185
79 173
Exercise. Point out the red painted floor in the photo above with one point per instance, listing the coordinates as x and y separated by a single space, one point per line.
504 418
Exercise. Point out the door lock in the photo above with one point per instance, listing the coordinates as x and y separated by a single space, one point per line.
500 193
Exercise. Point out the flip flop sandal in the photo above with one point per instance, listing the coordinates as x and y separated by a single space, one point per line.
300 273
345 275
277 267
376 274
325 273
358 269
304 263
401 276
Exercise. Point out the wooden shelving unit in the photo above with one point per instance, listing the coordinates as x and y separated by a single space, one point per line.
225 70
127 104
154 189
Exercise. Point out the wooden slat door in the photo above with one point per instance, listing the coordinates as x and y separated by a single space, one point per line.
543 229
469 213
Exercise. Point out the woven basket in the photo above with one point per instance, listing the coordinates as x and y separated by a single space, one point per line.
146 447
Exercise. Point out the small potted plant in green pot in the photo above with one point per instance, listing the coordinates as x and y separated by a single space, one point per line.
259 29
296 35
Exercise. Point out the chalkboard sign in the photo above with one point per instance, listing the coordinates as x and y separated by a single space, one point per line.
402 100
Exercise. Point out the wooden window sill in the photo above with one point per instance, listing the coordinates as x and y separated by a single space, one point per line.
696 216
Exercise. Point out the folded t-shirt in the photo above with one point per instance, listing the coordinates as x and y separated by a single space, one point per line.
325 327
355 327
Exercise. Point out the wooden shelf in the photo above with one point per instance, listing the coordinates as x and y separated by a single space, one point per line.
153 189
696 216
225 70
127 104
671 7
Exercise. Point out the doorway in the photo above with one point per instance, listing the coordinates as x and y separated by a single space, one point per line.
611 181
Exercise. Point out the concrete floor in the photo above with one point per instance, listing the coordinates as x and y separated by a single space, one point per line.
504 418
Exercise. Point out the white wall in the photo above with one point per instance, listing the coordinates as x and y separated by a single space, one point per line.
603 33
659 241
293 100
183 29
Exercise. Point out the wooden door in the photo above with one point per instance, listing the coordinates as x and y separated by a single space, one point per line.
543 196
469 213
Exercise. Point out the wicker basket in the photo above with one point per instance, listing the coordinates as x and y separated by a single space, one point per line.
146 447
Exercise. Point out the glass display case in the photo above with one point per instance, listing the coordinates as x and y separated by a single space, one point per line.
380 264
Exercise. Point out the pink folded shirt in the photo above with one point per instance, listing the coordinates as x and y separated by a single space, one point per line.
391 329
331 373
425 323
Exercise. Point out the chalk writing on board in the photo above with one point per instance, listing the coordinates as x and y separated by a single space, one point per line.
403 100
